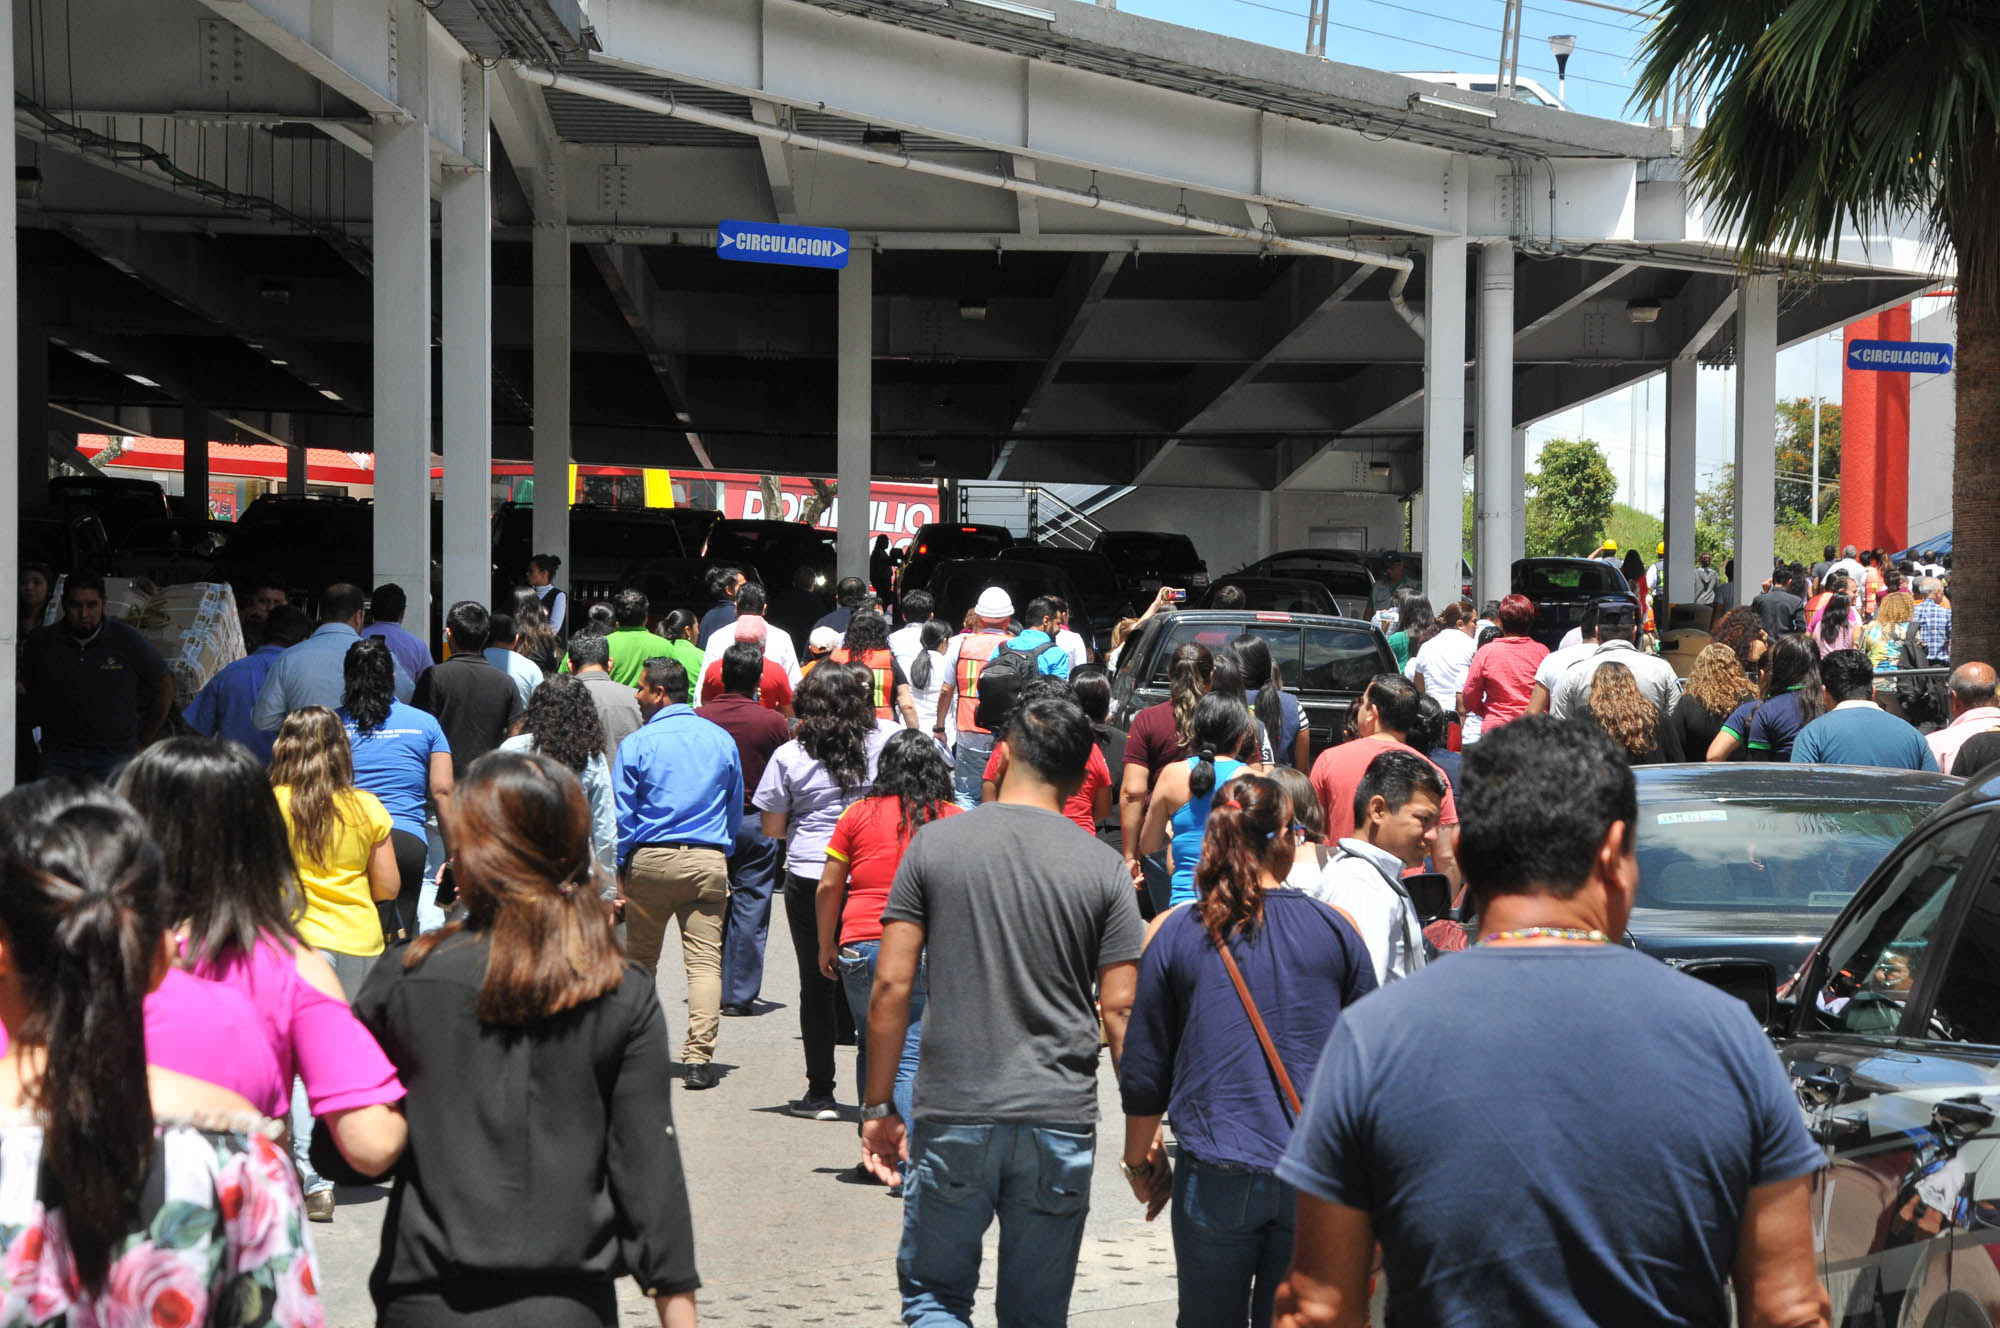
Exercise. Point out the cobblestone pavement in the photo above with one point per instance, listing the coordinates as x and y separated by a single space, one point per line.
785 1235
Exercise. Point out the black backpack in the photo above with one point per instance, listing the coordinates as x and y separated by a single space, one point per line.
1000 683
1926 701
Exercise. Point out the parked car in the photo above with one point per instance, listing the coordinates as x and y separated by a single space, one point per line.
1147 560
173 550
956 585
1103 601
776 549
671 583
307 540
120 501
64 538
942 541
1326 660
603 542
1562 588
1413 574
1285 595
1344 573
1891 1036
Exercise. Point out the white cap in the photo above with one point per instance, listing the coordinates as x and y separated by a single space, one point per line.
824 638
995 604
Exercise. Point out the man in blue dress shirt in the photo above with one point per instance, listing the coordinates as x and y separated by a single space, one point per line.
387 606
222 708
314 672
679 788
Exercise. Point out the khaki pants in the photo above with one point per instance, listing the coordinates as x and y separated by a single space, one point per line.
691 886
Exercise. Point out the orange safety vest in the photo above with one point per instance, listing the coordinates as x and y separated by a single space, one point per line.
880 663
975 651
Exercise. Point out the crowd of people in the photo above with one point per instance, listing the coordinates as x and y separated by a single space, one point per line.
375 877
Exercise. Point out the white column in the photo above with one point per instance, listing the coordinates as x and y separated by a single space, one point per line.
855 408
1494 486
551 277
10 472
1444 416
402 240
1756 427
1681 436
467 255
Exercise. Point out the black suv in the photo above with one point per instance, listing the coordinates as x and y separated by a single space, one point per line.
1562 588
941 542
1328 661
603 543
1147 560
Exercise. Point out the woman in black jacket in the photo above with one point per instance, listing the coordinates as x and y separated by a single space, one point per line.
542 1162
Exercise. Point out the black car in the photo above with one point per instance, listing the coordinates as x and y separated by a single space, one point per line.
672 583
1147 560
1344 573
1284 595
308 541
1326 660
1752 860
173 550
941 542
603 542
1891 1036
777 549
1562 588
120 501
1104 602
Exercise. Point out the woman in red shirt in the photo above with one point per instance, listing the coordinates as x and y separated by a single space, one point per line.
912 788
1502 672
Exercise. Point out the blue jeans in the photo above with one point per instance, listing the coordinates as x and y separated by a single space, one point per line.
857 978
1232 1243
753 874
969 767
1036 1177
310 1181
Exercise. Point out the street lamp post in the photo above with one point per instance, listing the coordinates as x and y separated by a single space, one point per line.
1560 47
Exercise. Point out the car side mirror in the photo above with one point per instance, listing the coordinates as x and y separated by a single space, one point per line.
1752 981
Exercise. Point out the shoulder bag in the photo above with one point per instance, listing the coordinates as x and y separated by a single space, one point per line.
1257 1024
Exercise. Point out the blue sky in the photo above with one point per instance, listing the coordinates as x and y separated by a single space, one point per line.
1464 36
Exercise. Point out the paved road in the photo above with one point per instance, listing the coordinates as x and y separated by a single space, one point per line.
786 1236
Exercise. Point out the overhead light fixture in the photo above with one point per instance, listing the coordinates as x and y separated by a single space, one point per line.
683 417
281 363
276 292
1643 311
1381 470
329 394
972 310
1011 8
143 381
1425 100
82 354
1561 47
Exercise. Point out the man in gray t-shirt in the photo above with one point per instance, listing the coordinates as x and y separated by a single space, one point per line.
1017 914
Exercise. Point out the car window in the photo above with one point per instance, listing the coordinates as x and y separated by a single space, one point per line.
1967 1006
1156 551
1881 955
1338 659
1282 638
1764 855
1569 579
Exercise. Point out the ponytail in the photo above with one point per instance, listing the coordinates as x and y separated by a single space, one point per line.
1247 829
82 913
1201 779
1219 725
934 635
1188 678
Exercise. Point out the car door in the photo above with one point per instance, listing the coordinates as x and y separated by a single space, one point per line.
1888 1079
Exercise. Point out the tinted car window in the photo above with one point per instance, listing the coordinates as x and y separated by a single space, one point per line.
1338 659
1154 550
1569 580
1783 854
1282 637
1967 1008
1880 956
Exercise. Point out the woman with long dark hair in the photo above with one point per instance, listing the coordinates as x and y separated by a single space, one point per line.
928 673
1793 698
866 645
525 1203
1839 626
232 899
1157 738
1276 709
680 628
1182 798
534 639
1438 666
1742 630
809 782
1415 624
401 756
912 788
561 722
340 843
99 1143
1190 1048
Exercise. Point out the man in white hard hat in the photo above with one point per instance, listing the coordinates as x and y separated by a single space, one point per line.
965 657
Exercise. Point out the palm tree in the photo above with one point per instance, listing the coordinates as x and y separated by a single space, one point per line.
1832 114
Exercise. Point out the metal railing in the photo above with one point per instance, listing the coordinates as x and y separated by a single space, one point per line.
1030 512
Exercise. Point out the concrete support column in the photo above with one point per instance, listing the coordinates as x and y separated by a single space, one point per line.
1756 427
855 409
402 219
295 469
1681 435
551 316
1494 484
1443 516
194 460
12 491
31 408
467 256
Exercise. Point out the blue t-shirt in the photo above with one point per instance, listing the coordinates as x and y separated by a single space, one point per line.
1049 663
1550 1135
1767 728
1189 825
1864 735
1289 719
1190 1045
393 761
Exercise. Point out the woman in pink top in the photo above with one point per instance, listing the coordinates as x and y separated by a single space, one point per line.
1502 672
229 886
1838 626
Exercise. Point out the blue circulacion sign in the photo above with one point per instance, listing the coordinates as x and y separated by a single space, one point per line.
789 246
1899 356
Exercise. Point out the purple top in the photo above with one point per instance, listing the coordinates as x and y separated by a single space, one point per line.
800 787
310 1034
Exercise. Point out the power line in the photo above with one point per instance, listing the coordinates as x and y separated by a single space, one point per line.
1466 22
1432 46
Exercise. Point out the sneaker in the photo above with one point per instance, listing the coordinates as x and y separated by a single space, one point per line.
319 1206
816 1106
738 1011
698 1077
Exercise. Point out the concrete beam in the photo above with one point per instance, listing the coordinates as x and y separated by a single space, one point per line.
777 164
1076 302
633 290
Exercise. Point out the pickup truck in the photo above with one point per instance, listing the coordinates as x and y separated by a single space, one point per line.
1562 588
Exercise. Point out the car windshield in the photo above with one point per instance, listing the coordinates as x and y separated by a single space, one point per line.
1568 580
953 542
1293 596
801 542
1775 855
1151 550
958 587
621 539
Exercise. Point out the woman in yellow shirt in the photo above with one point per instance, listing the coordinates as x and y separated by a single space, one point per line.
340 842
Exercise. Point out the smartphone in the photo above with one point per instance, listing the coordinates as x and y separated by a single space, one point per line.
1177 597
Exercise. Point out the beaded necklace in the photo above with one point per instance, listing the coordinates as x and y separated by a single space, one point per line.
1546 934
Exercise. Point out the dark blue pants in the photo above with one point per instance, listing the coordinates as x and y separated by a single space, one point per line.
753 875
1232 1243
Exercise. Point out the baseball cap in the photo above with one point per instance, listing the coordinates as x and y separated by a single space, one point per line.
994 603
824 638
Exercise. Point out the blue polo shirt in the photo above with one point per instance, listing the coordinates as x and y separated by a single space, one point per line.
1050 663
1864 734
222 708
393 761
679 781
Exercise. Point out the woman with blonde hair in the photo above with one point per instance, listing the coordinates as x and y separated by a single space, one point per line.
340 844
1883 638
1619 708
1715 686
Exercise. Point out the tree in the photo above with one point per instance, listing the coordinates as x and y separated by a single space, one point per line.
1569 499
1853 113
1795 459
1715 516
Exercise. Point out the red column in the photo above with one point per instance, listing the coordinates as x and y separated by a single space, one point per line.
1875 442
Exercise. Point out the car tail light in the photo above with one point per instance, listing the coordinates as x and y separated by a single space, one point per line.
968 530
1274 617
923 548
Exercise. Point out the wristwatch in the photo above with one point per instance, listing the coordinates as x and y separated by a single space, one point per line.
1132 1173
877 1111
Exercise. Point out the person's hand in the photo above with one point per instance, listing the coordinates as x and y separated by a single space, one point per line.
1154 1187
1138 871
1165 597
829 964
885 1146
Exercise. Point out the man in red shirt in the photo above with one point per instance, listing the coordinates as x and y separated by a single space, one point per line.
753 867
1501 676
1385 713
774 689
